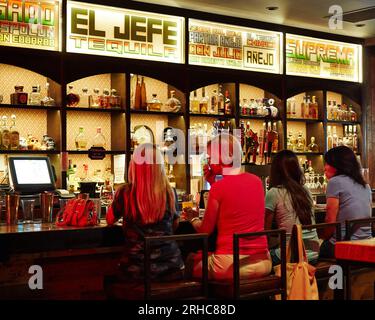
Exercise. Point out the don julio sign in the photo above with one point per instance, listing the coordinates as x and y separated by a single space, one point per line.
118 32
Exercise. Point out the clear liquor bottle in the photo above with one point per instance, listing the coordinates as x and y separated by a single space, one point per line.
95 99
48 100
329 110
14 134
35 96
99 140
334 137
84 98
81 140
329 138
213 103
5 134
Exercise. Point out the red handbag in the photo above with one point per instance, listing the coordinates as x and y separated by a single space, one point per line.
78 212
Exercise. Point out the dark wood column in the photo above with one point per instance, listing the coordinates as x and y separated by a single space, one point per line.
369 106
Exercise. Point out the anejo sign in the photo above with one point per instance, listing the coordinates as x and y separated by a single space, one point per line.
30 24
117 32
220 45
311 57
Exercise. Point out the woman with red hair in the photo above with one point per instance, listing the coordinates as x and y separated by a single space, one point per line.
148 208
235 205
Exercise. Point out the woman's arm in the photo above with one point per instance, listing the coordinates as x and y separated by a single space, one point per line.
117 208
332 210
268 217
207 225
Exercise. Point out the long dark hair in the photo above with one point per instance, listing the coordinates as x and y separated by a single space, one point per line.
345 162
286 172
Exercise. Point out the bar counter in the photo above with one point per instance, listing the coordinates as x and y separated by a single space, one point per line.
74 260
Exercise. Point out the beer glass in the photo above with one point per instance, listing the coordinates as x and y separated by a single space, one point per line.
12 202
46 206
28 210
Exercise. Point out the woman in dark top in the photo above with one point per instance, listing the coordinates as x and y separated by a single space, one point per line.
148 207
348 196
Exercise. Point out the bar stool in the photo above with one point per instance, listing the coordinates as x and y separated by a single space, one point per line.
252 288
160 290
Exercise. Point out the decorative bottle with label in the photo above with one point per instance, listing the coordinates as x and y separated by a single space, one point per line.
18 97
329 138
14 134
104 99
173 104
35 97
275 143
313 147
171 177
5 134
99 140
203 104
213 103
154 104
95 99
72 99
114 99
81 140
220 101
137 95
194 103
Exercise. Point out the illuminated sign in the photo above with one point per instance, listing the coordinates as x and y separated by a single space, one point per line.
219 45
30 24
116 32
310 57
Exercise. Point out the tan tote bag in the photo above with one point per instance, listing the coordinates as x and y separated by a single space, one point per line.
301 281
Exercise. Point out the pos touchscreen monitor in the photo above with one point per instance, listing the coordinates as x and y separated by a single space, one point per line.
30 175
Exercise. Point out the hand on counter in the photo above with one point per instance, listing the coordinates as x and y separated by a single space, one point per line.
189 213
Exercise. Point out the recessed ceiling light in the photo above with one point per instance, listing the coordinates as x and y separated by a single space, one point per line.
360 25
272 8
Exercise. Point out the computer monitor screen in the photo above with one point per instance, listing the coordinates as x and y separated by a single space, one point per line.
31 174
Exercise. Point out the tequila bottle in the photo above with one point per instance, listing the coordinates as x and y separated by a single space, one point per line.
84 98
81 140
329 110
203 104
352 114
220 101
48 100
35 97
5 134
137 98
313 147
334 137
228 104
213 104
104 99
329 138
154 104
313 108
355 139
143 95
275 143
194 103
14 134
173 104
95 99
18 97
114 99
72 99
301 142
245 110
99 140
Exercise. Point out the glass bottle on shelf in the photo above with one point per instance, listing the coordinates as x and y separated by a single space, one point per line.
220 101
301 142
81 140
308 109
213 103
288 107
194 103
329 138
106 192
94 101
14 134
171 177
173 104
114 99
18 97
104 99
203 104
154 104
350 137
35 97
275 143
245 109
5 134
72 99
334 137
352 114
48 100
329 110
339 112
84 99
313 147
144 95
137 97
334 111
99 140
289 143
355 139
253 108
314 109
228 104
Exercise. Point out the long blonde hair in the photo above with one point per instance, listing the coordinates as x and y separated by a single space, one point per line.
150 188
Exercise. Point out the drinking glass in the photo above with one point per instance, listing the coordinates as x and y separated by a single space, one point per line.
28 210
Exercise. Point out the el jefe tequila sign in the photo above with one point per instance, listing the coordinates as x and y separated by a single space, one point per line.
117 32
219 45
311 57
30 24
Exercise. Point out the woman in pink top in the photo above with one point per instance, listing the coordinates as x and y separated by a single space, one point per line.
235 205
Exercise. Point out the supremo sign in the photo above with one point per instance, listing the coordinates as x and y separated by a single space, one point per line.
109 31
311 57
30 24
219 45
